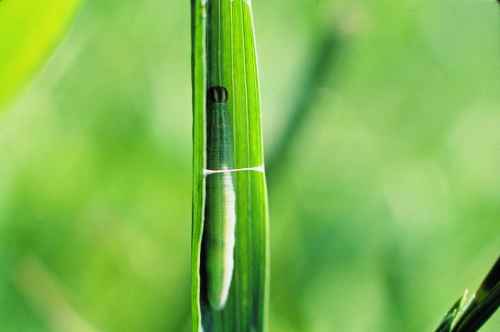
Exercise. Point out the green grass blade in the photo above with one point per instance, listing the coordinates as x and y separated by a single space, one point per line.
448 320
28 30
484 304
230 217
468 315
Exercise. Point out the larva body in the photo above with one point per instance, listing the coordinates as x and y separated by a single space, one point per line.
220 201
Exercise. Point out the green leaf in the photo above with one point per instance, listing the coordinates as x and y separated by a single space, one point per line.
230 217
28 31
469 315
451 317
484 304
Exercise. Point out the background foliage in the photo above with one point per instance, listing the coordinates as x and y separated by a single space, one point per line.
29 30
383 210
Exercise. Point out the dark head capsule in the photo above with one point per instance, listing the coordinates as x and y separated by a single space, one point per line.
217 95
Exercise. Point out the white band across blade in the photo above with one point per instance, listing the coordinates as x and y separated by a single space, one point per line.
259 169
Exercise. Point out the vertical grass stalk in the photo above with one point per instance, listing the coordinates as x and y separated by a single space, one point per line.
324 59
230 218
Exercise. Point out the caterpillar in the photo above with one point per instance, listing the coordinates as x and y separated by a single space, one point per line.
220 201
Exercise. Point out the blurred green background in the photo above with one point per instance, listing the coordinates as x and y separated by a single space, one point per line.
384 180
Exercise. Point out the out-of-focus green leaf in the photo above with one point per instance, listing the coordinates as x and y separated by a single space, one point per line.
28 31
230 249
